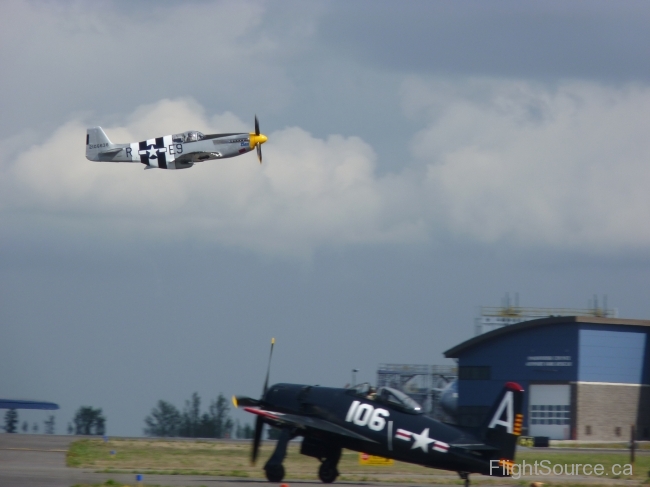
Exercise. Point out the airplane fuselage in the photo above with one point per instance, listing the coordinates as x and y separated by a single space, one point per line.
389 432
178 151
163 152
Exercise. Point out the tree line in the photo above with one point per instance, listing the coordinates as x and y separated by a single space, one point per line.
166 420
87 421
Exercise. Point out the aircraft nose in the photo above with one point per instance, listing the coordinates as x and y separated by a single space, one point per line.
257 139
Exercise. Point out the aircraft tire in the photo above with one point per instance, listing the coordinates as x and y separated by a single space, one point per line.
327 472
274 473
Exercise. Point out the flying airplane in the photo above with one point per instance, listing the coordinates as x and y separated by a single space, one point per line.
383 422
178 151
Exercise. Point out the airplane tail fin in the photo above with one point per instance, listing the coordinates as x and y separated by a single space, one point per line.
503 425
96 142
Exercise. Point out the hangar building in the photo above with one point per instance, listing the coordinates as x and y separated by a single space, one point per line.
586 378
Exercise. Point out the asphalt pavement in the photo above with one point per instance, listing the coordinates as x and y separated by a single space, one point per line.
39 461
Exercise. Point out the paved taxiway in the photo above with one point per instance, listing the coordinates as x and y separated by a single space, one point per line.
39 461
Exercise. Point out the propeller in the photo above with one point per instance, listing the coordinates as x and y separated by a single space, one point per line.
257 139
248 401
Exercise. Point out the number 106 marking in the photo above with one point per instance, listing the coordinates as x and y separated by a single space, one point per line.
366 415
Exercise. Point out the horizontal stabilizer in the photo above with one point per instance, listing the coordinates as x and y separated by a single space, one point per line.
111 151
474 446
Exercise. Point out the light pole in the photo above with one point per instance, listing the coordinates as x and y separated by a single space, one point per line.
354 377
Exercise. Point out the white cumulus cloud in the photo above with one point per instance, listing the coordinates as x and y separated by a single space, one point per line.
520 162
495 161
308 192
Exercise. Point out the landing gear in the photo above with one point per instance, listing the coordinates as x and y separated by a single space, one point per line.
327 471
328 455
465 477
274 473
273 468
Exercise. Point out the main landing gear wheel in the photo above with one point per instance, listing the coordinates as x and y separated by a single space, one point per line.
274 473
327 472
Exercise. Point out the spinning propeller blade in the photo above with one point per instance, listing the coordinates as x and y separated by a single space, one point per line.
268 369
259 426
257 139
247 401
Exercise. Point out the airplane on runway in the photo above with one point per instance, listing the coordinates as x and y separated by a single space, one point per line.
383 422
178 151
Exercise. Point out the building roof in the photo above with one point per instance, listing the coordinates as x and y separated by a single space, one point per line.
21 404
454 352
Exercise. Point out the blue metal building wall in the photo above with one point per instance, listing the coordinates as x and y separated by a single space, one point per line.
599 353
508 355
612 354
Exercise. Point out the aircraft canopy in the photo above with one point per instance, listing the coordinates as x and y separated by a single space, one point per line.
397 398
189 136
387 395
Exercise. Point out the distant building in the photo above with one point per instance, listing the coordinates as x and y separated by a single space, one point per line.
424 383
492 317
586 377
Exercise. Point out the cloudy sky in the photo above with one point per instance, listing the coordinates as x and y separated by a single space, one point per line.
424 158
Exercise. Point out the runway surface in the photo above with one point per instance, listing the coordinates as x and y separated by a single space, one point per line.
39 461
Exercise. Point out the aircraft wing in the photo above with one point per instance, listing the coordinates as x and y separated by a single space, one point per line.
185 159
194 157
474 446
304 422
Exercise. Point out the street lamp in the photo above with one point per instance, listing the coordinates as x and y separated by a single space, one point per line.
354 377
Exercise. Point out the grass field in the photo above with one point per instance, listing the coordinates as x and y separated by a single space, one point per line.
231 459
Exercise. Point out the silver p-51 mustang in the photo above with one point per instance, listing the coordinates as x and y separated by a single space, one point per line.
178 151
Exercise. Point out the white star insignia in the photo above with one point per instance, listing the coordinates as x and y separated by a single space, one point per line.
152 153
422 440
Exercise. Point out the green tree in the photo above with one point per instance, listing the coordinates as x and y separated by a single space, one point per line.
216 422
273 433
49 425
164 420
89 421
219 411
11 421
191 418
243 432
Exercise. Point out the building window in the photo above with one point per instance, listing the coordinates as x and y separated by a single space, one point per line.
617 431
587 430
474 372
550 414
